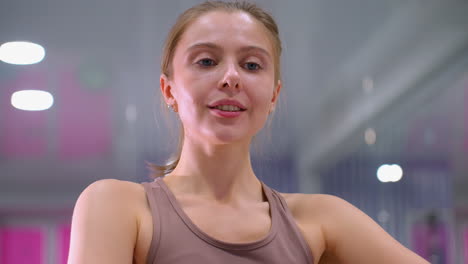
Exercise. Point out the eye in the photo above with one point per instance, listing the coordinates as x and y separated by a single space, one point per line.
206 62
252 66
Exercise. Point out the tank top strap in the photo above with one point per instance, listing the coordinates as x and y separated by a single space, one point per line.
277 197
289 222
278 200
152 192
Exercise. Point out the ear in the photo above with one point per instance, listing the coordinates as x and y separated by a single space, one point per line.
276 92
166 89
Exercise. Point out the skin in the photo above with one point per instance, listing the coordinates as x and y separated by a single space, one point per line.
222 55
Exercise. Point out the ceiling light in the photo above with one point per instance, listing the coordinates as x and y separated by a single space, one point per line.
21 52
32 100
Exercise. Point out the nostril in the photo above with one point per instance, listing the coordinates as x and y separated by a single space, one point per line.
231 83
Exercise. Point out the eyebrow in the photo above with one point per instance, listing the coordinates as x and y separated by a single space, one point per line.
217 47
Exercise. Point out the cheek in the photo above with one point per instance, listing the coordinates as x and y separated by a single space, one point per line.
188 88
264 101
192 100
262 106
196 85
263 96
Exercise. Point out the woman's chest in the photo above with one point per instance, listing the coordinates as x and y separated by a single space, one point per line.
228 225
232 225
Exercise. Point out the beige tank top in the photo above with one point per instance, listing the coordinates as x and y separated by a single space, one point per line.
177 240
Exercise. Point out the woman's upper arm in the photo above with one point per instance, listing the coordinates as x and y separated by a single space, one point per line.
104 225
353 237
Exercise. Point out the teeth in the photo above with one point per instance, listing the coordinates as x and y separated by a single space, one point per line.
230 108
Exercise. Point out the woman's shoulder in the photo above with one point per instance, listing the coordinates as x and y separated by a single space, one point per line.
118 193
326 211
313 204
110 186
117 196
347 232
105 219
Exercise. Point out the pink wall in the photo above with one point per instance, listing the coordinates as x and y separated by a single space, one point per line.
465 245
24 133
431 241
465 117
81 118
84 119
63 243
26 244
20 245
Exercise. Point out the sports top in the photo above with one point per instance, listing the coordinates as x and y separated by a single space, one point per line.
177 240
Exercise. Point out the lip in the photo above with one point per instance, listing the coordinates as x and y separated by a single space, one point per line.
228 102
225 114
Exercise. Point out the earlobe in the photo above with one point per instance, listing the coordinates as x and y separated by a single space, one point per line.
272 109
275 97
276 92
166 89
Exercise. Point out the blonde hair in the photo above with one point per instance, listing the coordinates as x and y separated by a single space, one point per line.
175 34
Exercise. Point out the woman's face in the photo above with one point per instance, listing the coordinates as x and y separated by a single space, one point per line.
223 56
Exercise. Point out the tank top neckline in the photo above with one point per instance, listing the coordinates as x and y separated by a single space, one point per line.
223 244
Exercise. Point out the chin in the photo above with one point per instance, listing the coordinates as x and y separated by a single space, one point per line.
227 139
223 138
219 135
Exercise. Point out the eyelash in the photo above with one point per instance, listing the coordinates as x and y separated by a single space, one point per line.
258 67
199 62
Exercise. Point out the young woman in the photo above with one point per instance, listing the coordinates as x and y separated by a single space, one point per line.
220 74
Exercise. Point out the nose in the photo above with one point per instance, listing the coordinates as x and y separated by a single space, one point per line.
231 77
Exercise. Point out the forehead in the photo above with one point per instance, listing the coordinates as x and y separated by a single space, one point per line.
227 29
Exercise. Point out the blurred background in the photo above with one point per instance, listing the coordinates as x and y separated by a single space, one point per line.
374 109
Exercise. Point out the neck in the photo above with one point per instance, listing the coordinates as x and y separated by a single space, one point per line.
217 172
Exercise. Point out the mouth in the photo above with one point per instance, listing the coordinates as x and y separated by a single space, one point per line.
228 108
227 105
